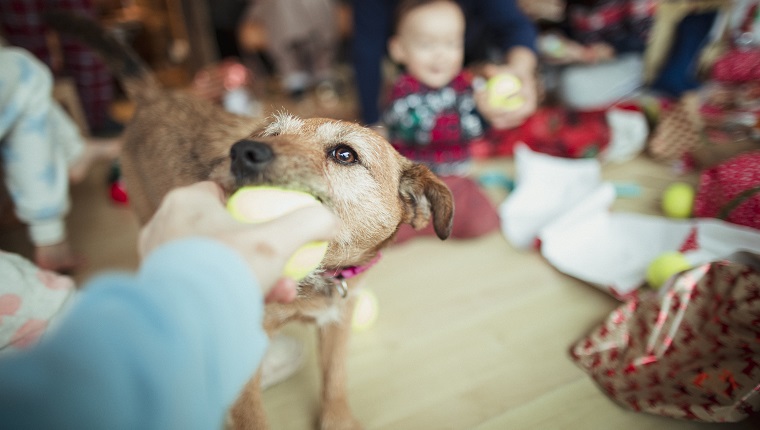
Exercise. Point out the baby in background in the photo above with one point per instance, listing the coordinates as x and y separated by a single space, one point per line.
431 116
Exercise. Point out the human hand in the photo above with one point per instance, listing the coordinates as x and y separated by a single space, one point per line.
198 210
57 257
208 84
599 52
546 10
501 118
558 49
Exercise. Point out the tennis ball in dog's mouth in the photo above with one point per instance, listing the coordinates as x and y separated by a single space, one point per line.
257 204
503 92
665 266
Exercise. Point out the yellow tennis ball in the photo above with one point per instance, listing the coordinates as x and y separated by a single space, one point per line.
678 200
257 204
365 312
665 266
503 92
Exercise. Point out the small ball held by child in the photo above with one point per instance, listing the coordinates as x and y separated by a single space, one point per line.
503 92
257 204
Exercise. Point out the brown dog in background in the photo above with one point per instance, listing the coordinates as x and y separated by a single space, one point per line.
175 140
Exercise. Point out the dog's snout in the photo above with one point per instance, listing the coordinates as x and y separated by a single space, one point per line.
249 156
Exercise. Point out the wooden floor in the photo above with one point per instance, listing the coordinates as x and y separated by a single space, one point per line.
470 334
475 335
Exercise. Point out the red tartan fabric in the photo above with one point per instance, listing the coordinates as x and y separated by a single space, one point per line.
731 191
554 131
691 353
624 24
23 26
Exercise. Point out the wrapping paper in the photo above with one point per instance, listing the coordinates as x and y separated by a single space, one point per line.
691 352
737 66
547 187
613 250
564 206
731 191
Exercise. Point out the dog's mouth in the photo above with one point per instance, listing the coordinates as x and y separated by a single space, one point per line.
287 187
252 163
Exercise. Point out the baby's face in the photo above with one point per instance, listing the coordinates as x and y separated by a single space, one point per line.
430 43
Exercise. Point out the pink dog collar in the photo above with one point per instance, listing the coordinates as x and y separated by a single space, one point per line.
339 276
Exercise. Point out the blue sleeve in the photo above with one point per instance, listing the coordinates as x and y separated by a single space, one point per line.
372 27
501 21
169 348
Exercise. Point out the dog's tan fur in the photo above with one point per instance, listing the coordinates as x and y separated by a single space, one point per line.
174 140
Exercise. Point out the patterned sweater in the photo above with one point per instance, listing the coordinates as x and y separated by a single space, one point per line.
434 126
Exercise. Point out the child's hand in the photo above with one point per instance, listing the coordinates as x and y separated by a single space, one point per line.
598 53
499 117
208 84
58 258
558 49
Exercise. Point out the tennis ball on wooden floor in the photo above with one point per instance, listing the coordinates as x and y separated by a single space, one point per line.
257 204
503 92
665 266
678 200
365 312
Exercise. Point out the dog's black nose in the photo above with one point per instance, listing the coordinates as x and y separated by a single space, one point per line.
249 156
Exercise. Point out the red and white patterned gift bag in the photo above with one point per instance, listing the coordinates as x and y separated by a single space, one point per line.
737 65
731 191
691 352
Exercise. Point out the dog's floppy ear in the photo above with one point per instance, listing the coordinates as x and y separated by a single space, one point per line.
424 195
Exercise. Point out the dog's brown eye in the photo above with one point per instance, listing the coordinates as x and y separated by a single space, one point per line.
344 154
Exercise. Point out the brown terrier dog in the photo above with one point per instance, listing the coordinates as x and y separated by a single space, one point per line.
175 139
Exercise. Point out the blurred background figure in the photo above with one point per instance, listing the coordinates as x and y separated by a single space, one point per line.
302 38
431 116
42 152
597 51
498 33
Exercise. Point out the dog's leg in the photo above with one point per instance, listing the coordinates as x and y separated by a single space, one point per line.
248 411
333 343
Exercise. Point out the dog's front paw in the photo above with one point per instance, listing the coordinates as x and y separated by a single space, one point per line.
338 416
